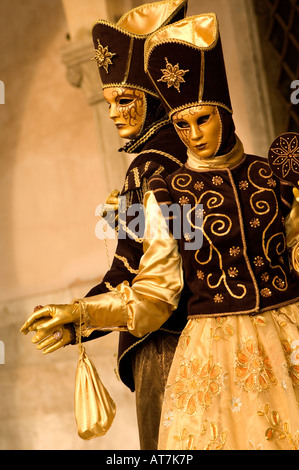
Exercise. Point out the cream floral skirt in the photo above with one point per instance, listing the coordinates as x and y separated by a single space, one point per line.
234 384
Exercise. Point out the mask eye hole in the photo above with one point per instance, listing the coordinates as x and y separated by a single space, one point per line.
125 101
202 120
182 124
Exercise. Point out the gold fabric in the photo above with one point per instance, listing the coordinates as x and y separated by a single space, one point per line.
145 19
94 408
234 384
201 31
292 232
224 161
155 291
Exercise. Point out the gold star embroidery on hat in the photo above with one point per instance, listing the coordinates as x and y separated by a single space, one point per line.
103 56
172 75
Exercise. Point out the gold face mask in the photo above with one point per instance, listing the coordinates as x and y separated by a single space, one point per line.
127 109
199 127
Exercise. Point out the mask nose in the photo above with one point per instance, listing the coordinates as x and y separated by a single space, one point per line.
195 132
113 113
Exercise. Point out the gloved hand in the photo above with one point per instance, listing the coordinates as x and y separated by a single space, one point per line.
53 339
110 209
52 316
56 325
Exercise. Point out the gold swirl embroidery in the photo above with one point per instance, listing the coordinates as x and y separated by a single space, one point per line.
219 228
262 207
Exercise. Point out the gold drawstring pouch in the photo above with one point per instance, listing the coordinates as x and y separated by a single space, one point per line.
94 408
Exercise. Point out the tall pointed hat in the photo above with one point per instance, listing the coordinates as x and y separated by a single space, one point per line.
186 65
119 46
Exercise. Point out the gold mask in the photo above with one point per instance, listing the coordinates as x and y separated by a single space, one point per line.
127 109
200 128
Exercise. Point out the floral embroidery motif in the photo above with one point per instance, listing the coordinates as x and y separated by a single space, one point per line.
278 429
172 75
200 275
187 237
280 283
265 277
199 186
236 405
266 292
223 329
234 251
287 155
258 261
243 185
233 272
200 213
254 223
196 384
217 181
183 200
291 351
168 418
218 299
271 183
253 370
218 440
103 56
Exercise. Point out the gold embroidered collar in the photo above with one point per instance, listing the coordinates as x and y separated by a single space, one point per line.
135 145
217 163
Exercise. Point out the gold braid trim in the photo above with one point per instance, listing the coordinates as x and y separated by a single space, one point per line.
126 263
164 154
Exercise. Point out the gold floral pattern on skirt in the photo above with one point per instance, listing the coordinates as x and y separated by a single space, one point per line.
234 384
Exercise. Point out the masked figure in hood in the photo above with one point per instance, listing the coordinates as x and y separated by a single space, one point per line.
139 117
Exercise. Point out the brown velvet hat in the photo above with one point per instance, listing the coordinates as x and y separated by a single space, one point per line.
120 47
186 65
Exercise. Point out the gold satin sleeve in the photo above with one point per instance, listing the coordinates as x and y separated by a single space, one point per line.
155 290
292 233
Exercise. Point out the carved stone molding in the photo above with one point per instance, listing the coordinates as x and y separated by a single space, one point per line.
82 71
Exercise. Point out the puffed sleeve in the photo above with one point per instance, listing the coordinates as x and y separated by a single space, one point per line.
155 291
292 233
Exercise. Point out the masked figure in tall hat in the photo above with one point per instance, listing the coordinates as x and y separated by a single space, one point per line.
234 381
135 108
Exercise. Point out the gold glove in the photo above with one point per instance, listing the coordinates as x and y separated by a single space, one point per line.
51 340
110 209
50 321
292 233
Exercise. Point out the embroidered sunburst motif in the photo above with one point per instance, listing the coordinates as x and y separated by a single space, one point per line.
172 75
217 181
243 185
183 200
266 292
233 272
234 251
218 299
103 56
254 223
285 155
